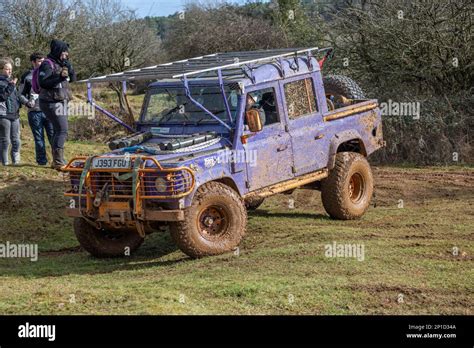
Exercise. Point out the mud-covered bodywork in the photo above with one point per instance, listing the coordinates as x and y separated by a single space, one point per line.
160 181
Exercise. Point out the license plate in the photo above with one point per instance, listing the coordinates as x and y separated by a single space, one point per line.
111 163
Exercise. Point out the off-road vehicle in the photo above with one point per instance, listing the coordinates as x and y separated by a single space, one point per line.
217 135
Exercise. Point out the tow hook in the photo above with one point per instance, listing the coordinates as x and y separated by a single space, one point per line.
100 195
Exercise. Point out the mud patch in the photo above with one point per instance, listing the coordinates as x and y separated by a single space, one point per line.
395 184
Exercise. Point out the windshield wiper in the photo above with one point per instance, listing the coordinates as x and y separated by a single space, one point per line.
169 115
204 118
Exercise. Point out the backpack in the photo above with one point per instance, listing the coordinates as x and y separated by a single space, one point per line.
35 86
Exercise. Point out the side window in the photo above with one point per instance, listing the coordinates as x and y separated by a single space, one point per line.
300 99
265 101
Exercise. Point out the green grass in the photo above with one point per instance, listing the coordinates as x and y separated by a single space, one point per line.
281 267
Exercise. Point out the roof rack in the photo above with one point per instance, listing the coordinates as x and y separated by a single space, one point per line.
225 65
230 64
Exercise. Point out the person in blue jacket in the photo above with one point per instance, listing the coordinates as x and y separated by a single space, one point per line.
39 124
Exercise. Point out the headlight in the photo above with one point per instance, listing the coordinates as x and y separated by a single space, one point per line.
161 184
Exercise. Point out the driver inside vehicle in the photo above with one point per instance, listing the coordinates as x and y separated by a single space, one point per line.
252 104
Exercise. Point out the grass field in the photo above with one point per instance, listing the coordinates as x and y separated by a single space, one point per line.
417 218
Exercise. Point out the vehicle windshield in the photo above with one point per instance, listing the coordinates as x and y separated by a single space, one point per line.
171 106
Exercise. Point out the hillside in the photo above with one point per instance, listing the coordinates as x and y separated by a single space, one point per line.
408 268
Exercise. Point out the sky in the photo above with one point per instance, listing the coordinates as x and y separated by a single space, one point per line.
160 7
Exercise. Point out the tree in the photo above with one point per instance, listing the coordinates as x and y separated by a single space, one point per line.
105 37
196 32
298 28
117 41
29 26
428 42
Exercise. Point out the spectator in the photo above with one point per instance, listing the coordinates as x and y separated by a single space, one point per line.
9 114
55 73
36 118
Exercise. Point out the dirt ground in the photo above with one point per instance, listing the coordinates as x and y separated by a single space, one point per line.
418 236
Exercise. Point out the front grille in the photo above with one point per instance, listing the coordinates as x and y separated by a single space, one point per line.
155 183
119 185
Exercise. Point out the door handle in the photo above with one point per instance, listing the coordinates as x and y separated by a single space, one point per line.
282 148
319 136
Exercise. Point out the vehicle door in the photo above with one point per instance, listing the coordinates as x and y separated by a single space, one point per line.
269 150
305 124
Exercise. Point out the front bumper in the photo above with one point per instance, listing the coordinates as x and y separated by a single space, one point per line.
122 215
125 195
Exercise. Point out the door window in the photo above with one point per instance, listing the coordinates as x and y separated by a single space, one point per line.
300 98
265 102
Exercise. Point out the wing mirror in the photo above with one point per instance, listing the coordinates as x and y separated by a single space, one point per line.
253 120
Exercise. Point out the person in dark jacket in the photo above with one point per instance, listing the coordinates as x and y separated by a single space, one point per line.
54 76
36 118
9 114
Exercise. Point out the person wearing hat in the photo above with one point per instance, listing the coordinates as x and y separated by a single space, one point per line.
55 74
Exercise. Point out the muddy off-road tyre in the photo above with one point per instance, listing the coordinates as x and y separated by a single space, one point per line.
104 243
347 191
254 203
214 224
340 85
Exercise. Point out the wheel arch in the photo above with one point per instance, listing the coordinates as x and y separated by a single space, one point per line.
228 182
347 141
225 180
